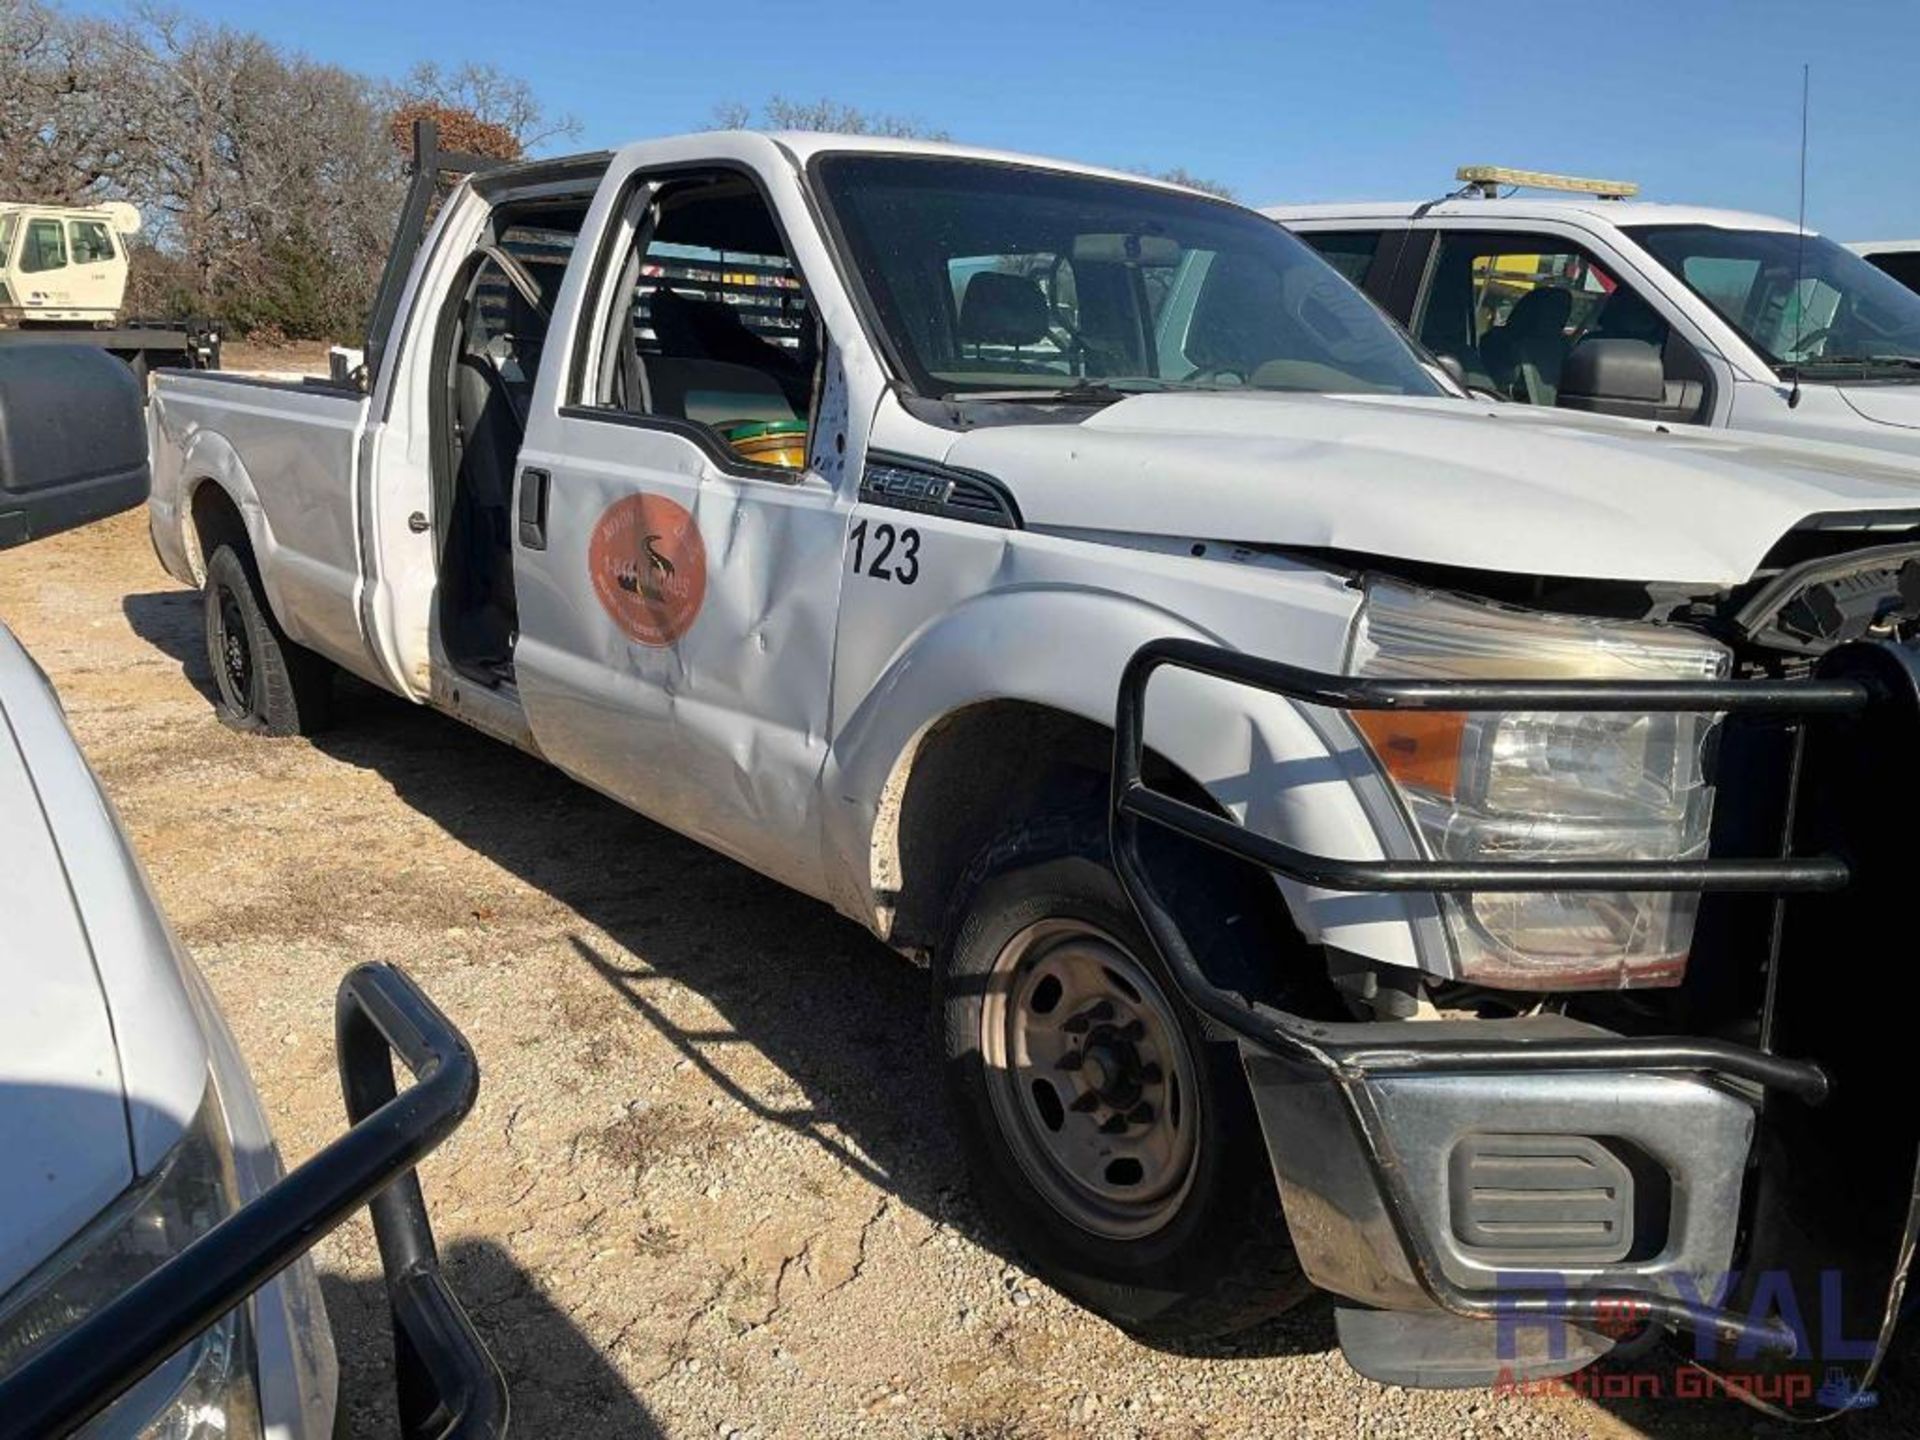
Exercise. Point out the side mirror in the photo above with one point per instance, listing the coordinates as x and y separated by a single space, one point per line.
1615 377
73 440
1455 370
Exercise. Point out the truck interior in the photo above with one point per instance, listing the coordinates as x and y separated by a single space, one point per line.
713 329
488 347
1513 309
715 335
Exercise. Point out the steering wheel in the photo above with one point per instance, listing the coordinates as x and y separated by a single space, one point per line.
1205 373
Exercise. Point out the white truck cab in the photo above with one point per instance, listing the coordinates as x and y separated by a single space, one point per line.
64 263
1598 301
832 499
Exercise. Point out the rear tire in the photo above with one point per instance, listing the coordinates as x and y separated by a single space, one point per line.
1117 1143
264 683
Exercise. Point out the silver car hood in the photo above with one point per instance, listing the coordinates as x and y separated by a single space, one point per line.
101 1058
1486 486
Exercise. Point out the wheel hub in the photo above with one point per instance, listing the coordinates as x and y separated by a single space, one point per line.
1091 1077
236 659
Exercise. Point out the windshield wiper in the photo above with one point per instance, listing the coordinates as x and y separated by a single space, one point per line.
1092 392
1818 362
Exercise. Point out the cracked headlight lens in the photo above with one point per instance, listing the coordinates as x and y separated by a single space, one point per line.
1538 785
206 1389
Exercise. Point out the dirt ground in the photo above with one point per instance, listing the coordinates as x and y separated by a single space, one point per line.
709 1189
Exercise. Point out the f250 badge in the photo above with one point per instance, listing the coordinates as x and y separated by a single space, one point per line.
649 568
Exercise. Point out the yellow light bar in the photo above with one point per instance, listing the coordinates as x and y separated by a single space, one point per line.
1490 177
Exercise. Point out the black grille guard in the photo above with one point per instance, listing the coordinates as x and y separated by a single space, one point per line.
450 1388
1854 683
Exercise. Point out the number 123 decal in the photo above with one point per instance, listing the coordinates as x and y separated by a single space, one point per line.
892 555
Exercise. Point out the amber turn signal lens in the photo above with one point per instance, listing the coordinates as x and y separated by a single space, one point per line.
1420 749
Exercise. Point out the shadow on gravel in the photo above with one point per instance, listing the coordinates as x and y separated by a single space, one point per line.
558 1381
170 621
842 1016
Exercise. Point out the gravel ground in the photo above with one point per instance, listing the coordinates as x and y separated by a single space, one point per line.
708 1189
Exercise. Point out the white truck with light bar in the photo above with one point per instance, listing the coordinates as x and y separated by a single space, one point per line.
1591 299
831 500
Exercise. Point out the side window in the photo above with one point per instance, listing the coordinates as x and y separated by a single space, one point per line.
44 248
91 242
1350 252
1511 308
712 325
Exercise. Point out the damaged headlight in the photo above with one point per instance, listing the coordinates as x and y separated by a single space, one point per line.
1538 785
205 1390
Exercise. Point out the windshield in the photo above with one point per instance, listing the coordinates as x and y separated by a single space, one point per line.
1018 282
1840 318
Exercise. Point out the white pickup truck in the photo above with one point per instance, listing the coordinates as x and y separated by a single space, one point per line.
812 495
1602 302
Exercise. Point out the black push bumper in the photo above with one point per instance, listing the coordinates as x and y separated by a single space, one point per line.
449 1386
1474 1172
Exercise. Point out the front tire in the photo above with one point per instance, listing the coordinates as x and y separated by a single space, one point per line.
1116 1141
264 683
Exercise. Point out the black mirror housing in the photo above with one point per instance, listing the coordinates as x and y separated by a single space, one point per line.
73 440
1617 377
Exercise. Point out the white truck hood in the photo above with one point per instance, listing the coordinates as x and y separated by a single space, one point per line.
101 1058
1885 404
1450 482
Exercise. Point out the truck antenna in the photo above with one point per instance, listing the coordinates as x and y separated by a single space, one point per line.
1800 244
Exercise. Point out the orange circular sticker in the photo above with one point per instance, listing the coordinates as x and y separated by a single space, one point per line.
649 567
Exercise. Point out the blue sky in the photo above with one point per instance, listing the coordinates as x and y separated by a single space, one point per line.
1699 100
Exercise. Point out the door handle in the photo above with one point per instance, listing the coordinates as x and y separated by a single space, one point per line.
533 508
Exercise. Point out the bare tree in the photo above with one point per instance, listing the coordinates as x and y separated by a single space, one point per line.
1180 175
780 113
64 125
491 97
269 182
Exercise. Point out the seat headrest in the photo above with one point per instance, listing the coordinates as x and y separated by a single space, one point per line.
1626 316
1002 309
1540 312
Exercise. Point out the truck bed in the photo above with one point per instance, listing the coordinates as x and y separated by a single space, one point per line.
283 454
